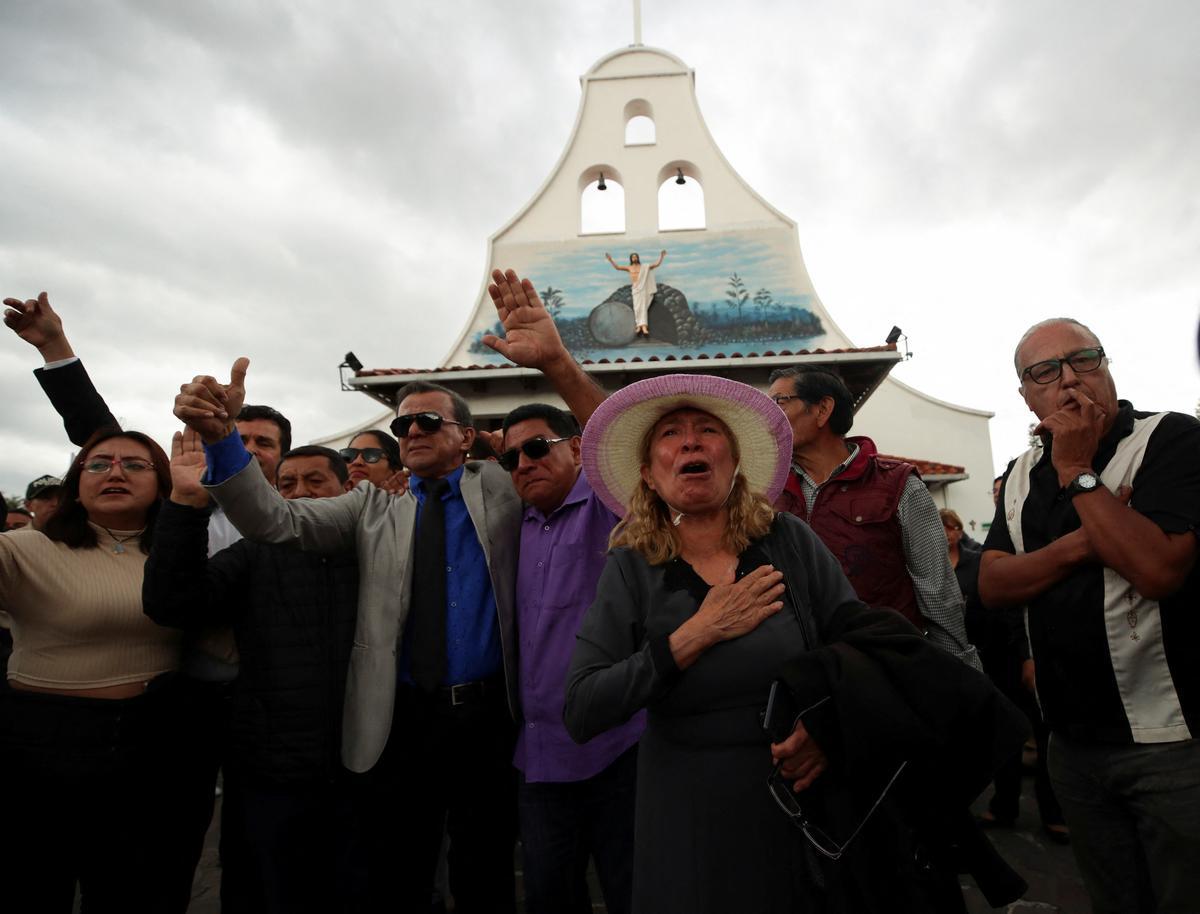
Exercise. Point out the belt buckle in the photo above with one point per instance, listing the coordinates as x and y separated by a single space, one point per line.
455 701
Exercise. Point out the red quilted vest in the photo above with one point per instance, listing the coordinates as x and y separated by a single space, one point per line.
855 516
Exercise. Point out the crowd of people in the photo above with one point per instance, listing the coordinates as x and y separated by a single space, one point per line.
692 633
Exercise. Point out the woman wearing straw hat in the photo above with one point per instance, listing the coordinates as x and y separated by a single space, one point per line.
706 596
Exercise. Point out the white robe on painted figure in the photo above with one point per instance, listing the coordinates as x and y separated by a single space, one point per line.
643 291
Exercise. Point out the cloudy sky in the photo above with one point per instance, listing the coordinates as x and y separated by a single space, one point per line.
289 180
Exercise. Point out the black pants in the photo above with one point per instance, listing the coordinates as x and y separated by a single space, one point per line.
449 768
563 824
94 796
301 853
1005 801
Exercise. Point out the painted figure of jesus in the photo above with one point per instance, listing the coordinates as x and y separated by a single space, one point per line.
641 281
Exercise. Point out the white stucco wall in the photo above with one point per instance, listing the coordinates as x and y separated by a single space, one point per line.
908 423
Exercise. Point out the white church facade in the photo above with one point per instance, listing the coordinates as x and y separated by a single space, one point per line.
641 174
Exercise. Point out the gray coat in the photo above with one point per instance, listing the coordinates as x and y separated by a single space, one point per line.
379 527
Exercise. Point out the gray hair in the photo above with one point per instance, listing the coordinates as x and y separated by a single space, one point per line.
1047 323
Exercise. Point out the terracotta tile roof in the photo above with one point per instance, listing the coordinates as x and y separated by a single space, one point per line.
381 372
929 468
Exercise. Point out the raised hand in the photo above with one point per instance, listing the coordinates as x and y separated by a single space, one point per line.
36 323
530 338
187 469
494 439
210 407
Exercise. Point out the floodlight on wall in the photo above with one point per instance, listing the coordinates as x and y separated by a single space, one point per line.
352 363
680 179
894 335
600 185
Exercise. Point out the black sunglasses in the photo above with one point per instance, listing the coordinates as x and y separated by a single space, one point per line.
426 422
369 454
534 449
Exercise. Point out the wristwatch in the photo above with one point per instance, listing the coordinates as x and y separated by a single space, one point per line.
1084 482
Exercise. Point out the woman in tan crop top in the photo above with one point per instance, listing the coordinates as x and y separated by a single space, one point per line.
93 722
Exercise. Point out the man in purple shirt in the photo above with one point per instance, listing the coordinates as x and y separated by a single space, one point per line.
573 801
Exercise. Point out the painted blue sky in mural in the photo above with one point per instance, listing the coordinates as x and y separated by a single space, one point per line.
696 310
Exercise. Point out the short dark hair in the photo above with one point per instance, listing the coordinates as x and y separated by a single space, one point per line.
24 511
69 524
462 412
387 444
561 422
812 385
250 413
336 463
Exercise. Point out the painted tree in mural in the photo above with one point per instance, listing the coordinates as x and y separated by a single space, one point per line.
736 295
553 299
765 301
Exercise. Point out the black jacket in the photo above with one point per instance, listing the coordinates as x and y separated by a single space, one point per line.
897 698
75 398
293 616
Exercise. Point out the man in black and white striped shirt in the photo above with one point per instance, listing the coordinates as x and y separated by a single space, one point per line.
1095 532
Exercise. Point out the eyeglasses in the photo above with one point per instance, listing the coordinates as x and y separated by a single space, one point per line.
426 422
368 454
128 464
534 449
785 798
780 399
1081 361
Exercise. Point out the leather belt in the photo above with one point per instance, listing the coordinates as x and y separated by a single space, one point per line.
467 693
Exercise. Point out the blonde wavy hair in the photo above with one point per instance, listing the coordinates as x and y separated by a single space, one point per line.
647 527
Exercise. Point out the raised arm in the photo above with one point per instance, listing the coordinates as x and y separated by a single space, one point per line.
63 377
250 502
532 341
615 265
34 321
658 263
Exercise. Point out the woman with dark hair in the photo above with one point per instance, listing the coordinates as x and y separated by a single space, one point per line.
374 455
92 716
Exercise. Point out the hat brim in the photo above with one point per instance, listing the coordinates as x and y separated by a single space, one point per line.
613 438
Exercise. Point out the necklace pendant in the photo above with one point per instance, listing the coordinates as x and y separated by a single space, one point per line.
118 549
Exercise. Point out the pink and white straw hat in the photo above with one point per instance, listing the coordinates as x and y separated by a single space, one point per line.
613 438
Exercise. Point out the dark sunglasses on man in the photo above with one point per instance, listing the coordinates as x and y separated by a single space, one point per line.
535 449
426 422
368 454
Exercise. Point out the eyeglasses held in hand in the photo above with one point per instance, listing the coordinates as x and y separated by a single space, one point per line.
1081 361
534 449
426 422
128 465
786 799
369 454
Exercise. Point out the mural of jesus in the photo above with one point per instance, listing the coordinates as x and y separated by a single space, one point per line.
641 281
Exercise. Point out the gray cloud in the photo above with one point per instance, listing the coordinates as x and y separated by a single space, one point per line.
192 182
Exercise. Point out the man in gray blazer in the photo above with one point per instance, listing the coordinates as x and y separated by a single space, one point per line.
438 754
